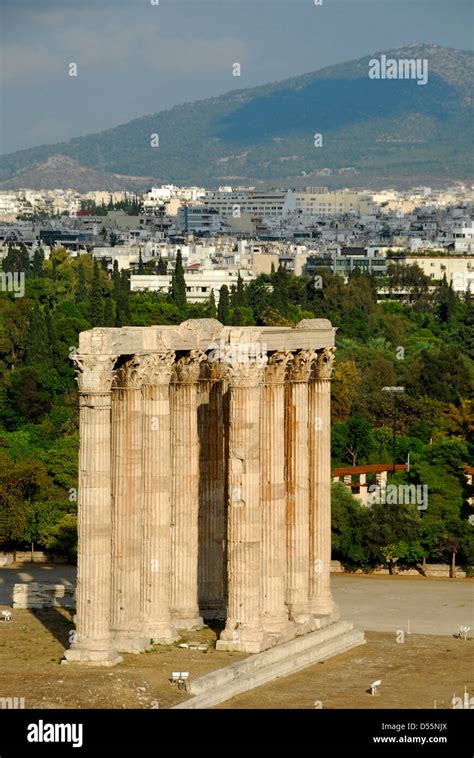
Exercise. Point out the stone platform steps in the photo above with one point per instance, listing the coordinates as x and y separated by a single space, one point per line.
280 661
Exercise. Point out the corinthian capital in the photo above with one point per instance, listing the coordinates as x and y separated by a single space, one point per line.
157 368
94 372
186 370
300 366
132 374
277 367
244 374
324 362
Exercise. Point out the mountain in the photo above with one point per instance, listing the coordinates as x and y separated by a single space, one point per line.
59 171
396 129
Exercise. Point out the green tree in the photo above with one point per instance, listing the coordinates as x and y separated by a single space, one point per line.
211 306
38 260
223 309
178 285
81 288
38 349
96 299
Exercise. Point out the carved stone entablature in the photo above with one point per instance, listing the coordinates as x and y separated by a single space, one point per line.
186 370
94 373
278 366
300 365
323 363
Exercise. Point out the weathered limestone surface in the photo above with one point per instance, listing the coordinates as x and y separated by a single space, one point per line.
321 601
275 616
155 598
93 643
298 491
204 485
185 492
244 628
127 507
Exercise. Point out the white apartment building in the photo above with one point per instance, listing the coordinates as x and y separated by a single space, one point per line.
318 201
464 239
198 283
459 270
256 203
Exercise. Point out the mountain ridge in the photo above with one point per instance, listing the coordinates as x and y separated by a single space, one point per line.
265 133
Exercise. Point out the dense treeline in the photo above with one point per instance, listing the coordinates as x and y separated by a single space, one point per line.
425 344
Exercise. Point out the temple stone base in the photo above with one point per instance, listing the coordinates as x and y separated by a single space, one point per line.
130 643
90 657
188 622
162 636
242 645
283 660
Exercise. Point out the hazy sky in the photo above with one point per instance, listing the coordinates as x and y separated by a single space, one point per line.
136 58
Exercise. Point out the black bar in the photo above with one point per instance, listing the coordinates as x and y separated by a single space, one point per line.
168 732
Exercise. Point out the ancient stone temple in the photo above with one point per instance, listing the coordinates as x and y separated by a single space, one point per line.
204 485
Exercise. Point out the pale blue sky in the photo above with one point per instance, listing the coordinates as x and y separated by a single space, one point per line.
136 58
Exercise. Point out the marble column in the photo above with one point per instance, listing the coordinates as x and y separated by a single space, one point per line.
92 643
297 443
273 498
127 499
156 461
244 630
321 601
185 491
212 489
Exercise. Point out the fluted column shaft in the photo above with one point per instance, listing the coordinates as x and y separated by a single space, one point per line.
185 491
273 495
298 488
244 630
127 495
156 460
92 643
321 601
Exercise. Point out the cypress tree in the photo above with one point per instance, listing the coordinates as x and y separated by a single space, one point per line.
178 285
96 310
211 308
38 260
38 348
117 284
238 294
279 300
24 259
122 311
161 266
109 317
223 309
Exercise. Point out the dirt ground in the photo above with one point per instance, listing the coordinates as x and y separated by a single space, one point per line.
414 673
31 648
